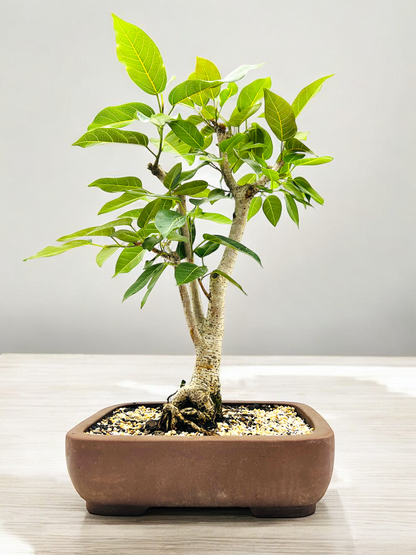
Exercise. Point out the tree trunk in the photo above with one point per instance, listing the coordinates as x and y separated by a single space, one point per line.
198 405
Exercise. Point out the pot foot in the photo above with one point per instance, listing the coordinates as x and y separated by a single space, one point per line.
116 510
283 512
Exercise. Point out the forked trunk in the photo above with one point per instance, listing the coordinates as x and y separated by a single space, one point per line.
198 404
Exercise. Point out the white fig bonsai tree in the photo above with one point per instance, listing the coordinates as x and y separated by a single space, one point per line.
251 168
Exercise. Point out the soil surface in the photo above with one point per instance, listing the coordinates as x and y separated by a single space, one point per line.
241 420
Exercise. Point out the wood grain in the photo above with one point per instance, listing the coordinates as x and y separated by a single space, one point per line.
369 508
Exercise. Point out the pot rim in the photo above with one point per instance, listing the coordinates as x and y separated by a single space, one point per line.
322 430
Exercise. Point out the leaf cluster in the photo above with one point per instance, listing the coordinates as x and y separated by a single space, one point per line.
198 128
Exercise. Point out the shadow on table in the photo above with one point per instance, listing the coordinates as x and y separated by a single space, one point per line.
48 518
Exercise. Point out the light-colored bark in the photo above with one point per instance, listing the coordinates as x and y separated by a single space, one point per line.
193 286
204 389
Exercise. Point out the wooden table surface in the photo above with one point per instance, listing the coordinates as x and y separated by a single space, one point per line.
369 508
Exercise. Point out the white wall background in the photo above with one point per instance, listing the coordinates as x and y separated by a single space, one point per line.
343 284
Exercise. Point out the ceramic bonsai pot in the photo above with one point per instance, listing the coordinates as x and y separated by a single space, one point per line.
275 476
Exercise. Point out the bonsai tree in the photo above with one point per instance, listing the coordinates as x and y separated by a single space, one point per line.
252 168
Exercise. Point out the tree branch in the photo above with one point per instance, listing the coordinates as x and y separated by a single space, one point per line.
157 171
196 299
218 284
222 135
189 314
263 180
208 295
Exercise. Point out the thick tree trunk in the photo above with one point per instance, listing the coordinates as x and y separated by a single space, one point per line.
198 404
200 400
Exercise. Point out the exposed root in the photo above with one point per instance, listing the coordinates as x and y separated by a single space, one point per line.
173 418
190 407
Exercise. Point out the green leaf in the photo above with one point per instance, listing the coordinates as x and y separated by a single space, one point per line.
190 89
131 213
172 143
126 235
229 144
207 142
142 280
292 209
248 178
237 117
255 166
257 134
150 242
188 133
191 188
168 220
120 116
187 272
117 184
252 93
158 119
152 283
217 194
175 236
104 230
200 98
211 158
250 146
141 56
196 120
290 187
306 94
271 174
255 206
258 159
229 278
81 233
148 230
226 241
213 217
173 176
191 173
304 185
272 208
188 102
105 253
296 192
240 72
206 249
101 231
227 93
302 135
128 259
149 212
279 116
292 157
53 251
314 161
102 136
207 71
294 145
124 200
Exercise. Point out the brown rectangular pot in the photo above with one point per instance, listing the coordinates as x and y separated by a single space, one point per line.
275 476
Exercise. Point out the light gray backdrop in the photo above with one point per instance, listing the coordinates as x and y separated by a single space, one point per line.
344 283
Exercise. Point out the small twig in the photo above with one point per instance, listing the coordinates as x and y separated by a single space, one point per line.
208 295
